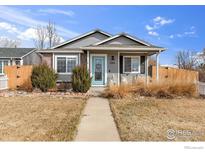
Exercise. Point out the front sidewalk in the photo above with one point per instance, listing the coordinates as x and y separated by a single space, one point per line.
97 123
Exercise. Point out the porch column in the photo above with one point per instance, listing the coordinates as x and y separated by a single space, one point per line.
157 66
88 60
118 64
147 69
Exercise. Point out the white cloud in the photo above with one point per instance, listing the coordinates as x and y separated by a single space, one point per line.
152 33
157 23
28 34
190 33
148 27
8 27
171 36
162 21
56 11
20 17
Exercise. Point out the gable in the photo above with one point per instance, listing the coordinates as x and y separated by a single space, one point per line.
122 40
86 41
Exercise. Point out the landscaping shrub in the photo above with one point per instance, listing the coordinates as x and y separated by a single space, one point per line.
163 94
43 77
144 92
81 80
158 90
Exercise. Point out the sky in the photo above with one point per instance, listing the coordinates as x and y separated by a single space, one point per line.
173 27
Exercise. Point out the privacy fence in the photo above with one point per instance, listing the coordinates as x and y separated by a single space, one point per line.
19 77
167 74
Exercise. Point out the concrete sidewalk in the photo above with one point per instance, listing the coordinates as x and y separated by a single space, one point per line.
97 123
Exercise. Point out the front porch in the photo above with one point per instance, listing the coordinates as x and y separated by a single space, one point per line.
111 67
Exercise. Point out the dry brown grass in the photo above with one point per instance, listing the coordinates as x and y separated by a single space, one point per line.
39 118
157 89
148 119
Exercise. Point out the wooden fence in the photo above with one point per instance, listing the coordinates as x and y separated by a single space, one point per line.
19 77
167 74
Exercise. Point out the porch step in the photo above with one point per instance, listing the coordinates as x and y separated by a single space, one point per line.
96 91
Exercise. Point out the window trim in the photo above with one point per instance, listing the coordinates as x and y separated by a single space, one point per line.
3 66
66 56
132 72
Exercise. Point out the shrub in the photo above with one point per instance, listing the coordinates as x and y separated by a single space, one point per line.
43 77
81 80
163 94
158 90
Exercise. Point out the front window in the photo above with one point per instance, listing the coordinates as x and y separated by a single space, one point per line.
65 64
131 64
2 64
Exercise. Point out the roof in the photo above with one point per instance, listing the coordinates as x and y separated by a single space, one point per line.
15 52
124 47
125 35
81 36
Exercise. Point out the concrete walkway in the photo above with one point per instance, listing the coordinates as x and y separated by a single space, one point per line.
97 123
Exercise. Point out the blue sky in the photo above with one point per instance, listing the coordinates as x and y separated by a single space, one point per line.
173 27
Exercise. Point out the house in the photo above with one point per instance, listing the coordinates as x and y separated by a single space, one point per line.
18 56
109 58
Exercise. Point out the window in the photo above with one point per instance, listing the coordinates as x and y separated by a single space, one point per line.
65 64
2 64
18 62
131 64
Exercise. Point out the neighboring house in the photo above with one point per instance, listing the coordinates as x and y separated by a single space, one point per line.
109 58
18 56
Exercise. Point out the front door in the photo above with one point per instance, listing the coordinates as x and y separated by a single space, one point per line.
98 70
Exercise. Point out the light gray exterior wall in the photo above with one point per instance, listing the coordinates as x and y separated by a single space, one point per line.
88 40
122 41
32 59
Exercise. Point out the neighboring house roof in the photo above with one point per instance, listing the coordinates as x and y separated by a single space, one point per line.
82 36
124 35
15 52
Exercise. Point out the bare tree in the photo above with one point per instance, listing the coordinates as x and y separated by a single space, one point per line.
41 36
9 43
186 60
53 38
201 66
46 36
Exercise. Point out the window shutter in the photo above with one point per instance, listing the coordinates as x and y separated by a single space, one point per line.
142 65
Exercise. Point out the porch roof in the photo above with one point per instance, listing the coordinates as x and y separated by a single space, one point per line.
119 47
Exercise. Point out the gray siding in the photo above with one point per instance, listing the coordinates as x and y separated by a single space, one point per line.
88 40
32 59
122 41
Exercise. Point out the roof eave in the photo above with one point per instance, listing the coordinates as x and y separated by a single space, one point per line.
81 36
124 49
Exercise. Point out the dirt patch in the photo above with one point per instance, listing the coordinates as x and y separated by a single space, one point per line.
39 118
149 119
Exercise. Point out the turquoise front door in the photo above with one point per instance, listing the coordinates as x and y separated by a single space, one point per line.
98 70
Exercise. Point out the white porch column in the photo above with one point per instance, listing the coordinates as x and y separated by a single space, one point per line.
79 59
147 69
157 66
118 64
88 60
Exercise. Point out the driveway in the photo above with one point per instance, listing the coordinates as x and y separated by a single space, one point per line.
97 123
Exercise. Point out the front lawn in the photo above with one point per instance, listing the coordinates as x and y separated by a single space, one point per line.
149 119
44 118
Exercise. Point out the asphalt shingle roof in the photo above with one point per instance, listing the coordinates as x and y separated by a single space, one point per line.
14 52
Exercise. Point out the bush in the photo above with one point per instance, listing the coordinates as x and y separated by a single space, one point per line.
43 77
159 90
81 80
